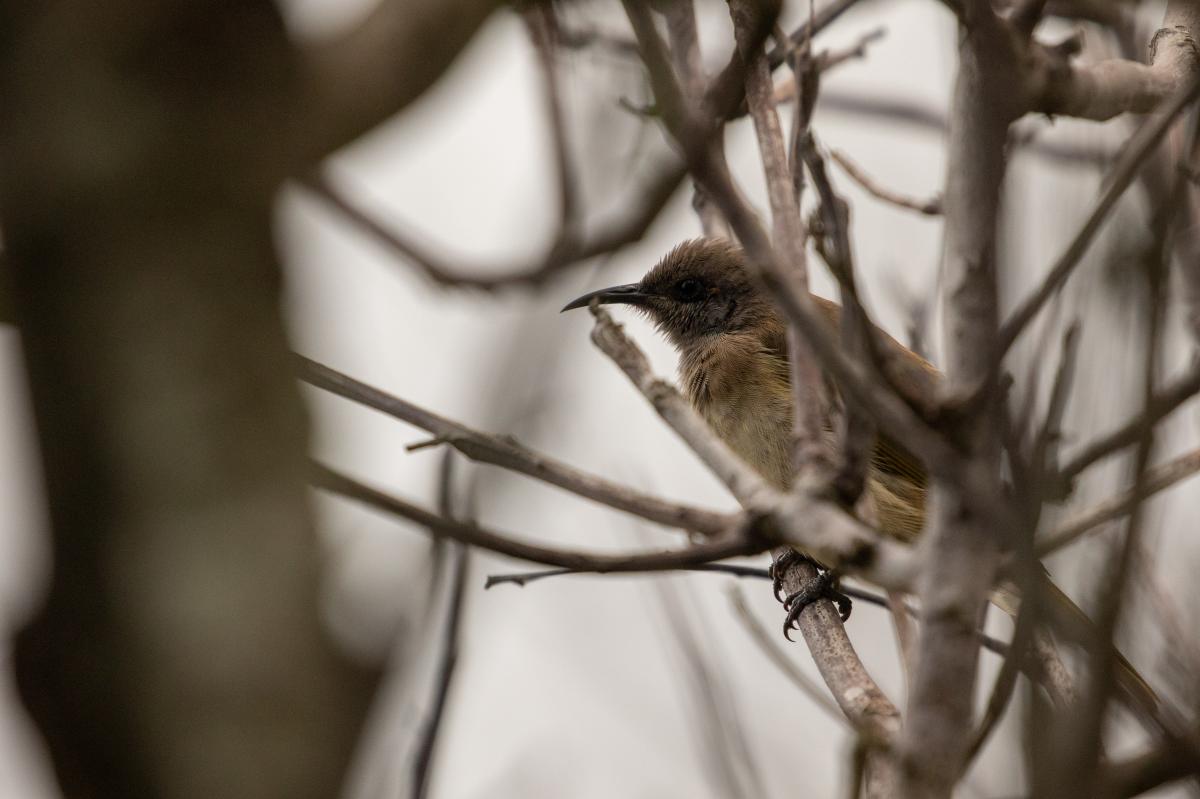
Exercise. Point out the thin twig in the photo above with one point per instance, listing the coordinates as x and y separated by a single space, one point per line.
788 233
1140 146
930 207
508 453
1024 138
743 543
905 628
1157 479
445 671
828 59
1006 681
543 30
1045 442
569 247
745 483
521 579
1162 404
1084 746
858 433
786 90
726 96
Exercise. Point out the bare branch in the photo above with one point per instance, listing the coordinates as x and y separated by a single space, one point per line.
506 452
1006 681
1026 14
961 539
828 59
1106 89
521 579
743 542
1140 145
745 483
1082 740
572 245
1162 404
930 207
1024 138
1157 479
858 434
786 91
726 96
444 673
543 30
859 697
685 47
787 231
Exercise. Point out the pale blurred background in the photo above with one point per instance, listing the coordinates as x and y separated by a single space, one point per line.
610 686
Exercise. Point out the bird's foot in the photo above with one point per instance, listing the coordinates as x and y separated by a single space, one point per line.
779 567
824 587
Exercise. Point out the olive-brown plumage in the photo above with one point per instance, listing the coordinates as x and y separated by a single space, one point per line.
733 367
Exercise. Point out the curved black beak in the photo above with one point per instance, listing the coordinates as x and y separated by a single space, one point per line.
629 294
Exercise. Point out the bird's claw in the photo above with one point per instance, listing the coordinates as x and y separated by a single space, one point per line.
824 587
780 565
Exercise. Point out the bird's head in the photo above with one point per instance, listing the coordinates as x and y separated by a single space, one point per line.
699 289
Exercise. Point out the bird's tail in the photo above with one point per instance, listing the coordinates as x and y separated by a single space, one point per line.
1066 618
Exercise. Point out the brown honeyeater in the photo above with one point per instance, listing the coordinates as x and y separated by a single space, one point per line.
733 366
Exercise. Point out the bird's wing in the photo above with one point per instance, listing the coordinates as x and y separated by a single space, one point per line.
905 368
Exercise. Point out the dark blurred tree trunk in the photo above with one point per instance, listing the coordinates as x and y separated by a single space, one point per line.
179 652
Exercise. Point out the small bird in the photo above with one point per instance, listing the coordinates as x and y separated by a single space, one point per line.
733 366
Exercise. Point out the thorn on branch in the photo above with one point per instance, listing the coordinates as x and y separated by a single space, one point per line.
427 443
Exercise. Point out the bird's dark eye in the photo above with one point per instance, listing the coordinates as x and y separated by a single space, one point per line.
689 290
